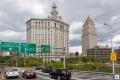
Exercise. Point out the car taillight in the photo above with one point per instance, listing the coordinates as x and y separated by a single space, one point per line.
46 68
63 72
34 73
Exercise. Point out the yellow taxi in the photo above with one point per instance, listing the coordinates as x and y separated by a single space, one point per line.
6 69
25 68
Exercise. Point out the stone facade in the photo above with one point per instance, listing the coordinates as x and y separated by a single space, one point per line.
51 31
89 36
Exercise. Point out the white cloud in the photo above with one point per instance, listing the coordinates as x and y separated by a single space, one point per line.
74 36
74 49
116 38
33 6
75 26
61 1
114 18
12 35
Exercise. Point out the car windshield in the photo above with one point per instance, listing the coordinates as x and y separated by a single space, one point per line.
64 70
49 67
13 70
30 71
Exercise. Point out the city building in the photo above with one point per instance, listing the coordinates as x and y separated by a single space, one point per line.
117 53
101 52
89 36
51 31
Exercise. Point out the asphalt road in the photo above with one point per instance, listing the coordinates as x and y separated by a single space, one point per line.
75 76
40 76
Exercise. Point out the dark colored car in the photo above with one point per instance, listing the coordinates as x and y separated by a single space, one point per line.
29 74
60 73
38 67
47 69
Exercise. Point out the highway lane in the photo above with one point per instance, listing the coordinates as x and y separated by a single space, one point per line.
40 76
75 76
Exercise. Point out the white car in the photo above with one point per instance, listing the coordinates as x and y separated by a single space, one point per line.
12 73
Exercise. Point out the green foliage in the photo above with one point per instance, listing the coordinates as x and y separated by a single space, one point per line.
84 59
79 63
33 63
56 64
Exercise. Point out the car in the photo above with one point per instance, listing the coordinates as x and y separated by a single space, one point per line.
47 69
6 69
60 74
38 67
12 73
29 74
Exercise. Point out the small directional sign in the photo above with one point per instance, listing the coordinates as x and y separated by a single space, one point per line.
45 48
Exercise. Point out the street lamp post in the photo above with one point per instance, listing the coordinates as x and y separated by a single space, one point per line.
24 57
111 47
64 56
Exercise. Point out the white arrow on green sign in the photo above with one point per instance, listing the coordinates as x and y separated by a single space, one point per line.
45 48
27 48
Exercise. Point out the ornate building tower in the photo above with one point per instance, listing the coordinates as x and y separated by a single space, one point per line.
89 36
51 31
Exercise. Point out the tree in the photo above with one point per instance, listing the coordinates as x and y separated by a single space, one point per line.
76 53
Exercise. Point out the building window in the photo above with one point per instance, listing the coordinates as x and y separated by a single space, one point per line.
45 23
39 23
55 24
35 23
48 23
42 23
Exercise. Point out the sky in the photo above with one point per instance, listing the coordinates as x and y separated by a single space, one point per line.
15 13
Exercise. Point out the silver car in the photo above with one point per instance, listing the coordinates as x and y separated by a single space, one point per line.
12 73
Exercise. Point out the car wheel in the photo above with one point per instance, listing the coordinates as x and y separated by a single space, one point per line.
6 76
68 78
17 76
59 78
25 77
50 76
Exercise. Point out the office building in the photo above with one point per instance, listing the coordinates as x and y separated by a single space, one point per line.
101 52
89 36
117 51
51 31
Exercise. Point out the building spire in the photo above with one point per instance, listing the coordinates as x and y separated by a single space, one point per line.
54 13
88 20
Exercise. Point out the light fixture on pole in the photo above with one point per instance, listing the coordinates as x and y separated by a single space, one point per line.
111 46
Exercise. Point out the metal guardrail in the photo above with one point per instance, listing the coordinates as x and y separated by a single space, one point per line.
92 72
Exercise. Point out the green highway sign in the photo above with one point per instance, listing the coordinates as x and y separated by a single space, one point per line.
27 48
45 48
9 46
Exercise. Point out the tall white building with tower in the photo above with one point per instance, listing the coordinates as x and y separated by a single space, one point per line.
51 31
